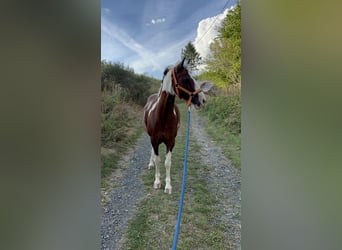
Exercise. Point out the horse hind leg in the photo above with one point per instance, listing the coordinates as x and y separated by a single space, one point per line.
168 187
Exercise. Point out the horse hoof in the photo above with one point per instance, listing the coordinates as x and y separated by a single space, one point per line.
157 185
150 166
168 190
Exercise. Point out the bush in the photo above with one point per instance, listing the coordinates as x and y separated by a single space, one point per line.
116 123
115 77
225 111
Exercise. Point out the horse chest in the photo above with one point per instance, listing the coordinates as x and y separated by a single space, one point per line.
168 124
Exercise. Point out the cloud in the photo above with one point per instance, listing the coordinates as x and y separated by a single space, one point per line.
156 21
142 59
207 32
105 11
123 38
152 56
164 56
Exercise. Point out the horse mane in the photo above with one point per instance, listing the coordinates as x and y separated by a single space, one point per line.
167 81
166 70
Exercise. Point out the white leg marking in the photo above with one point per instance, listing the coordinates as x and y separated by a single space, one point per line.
156 160
168 188
151 160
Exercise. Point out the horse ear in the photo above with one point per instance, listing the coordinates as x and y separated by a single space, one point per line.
182 63
206 86
185 62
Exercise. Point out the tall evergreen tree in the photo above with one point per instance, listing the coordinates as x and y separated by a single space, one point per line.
190 53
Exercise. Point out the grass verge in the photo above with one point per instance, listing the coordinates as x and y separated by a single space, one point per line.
222 116
126 128
229 142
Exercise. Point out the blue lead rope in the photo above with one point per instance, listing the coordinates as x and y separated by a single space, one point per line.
175 238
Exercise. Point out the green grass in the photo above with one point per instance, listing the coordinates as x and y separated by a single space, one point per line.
223 123
154 224
229 142
109 161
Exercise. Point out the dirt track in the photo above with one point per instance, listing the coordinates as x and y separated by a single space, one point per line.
224 181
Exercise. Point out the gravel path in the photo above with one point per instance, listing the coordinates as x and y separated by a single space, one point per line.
128 190
223 179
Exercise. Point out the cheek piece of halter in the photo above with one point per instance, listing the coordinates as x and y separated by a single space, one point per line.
177 87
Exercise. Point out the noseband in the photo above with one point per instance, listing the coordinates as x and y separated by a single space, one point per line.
177 87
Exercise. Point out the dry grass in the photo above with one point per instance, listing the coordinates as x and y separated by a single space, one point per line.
121 126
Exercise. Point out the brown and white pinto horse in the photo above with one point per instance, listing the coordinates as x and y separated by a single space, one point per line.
161 115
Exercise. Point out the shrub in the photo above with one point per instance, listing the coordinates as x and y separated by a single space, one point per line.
226 111
115 77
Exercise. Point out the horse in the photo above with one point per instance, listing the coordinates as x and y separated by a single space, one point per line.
161 114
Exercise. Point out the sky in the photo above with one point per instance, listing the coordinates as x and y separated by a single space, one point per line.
148 35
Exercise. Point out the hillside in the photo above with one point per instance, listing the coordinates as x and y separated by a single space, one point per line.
123 95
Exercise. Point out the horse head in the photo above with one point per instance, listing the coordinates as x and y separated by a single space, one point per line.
186 87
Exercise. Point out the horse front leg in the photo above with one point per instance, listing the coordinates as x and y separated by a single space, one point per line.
156 160
168 187
151 164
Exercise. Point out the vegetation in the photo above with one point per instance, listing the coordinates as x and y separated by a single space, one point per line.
224 124
225 112
224 64
153 225
190 53
123 94
224 70
115 77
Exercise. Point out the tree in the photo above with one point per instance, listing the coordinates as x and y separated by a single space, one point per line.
225 59
190 53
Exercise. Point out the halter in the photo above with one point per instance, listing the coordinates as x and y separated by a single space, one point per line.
177 86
